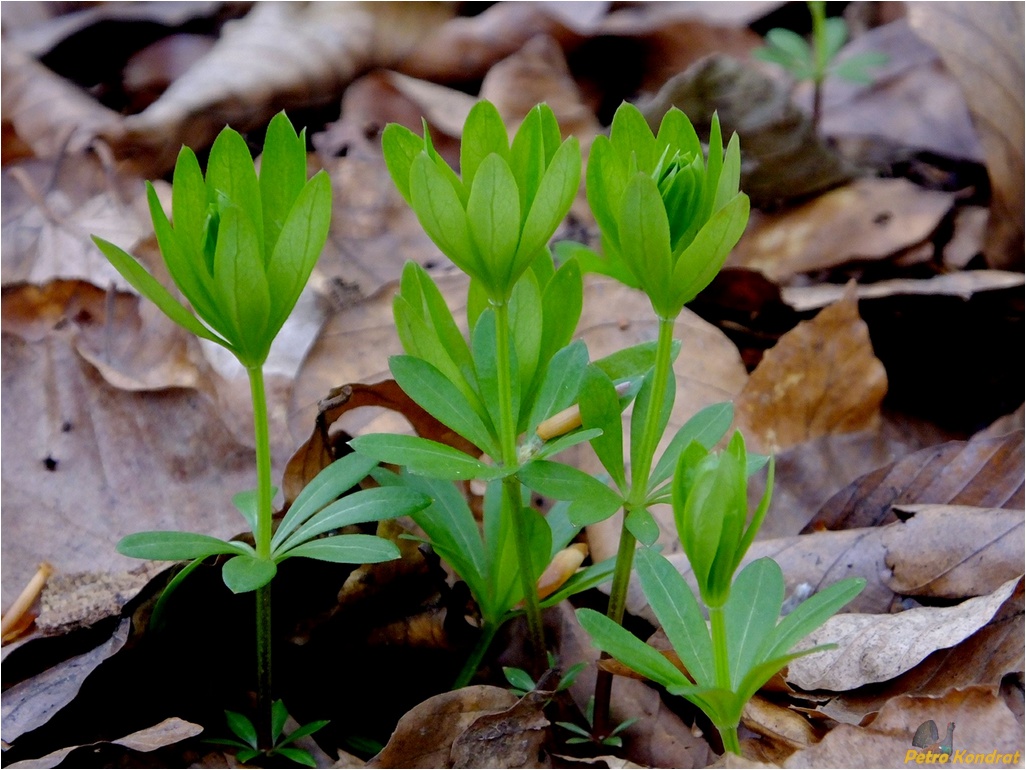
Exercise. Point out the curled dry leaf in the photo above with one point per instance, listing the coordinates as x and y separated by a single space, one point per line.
277 56
984 659
32 702
982 47
778 724
820 378
875 648
962 284
869 219
951 568
513 738
425 735
984 725
170 731
986 472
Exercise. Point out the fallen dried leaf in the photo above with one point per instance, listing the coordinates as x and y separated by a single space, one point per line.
778 724
820 378
513 738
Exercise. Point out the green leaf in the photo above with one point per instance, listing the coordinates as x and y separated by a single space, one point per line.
484 346
301 732
562 301
246 573
444 326
345 549
231 174
493 215
835 32
792 45
810 615
525 310
339 477
441 214
442 400
157 617
590 577
174 546
639 418
701 261
600 408
630 134
246 756
555 194
246 504
282 176
564 482
629 363
677 132
242 727
628 649
642 525
678 613
559 383
360 507
760 514
484 134
518 678
606 178
564 442
706 427
241 285
298 247
647 251
424 457
527 158
856 68
152 289
400 146
279 715
188 201
751 613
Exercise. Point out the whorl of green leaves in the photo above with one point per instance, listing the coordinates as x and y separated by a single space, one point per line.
494 220
242 245
668 217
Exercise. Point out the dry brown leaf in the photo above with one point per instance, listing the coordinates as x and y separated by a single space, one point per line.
869 219
82 599
961 284
982 47
32 702
955 567
778 724
513 738
969 230
820 378
913 103
986 472
170 731
280 55
875 648
425 735
984 659
984 725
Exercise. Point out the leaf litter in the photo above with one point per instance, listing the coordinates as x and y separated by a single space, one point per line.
930 514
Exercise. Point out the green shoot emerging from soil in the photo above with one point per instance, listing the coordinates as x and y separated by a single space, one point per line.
240 250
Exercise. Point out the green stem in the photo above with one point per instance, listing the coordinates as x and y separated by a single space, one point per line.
484 641
635 499
721 664
511 484
262 537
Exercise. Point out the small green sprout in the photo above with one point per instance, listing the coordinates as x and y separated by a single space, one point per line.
522 682
817 62
240 249
746 641
249 746
581 735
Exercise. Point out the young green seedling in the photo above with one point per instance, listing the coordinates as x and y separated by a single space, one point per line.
249 747
817 62
668 217
746 641
240 249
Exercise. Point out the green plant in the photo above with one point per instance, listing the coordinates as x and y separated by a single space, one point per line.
522 683
746 641
668 218
817 62
587 735
519 367
249 746
240 250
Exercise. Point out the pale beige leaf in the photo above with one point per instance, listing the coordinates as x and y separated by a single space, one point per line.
875 648
869 219
981 45
821 378
777 723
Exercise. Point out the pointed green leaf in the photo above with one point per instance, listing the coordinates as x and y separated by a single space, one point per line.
345 549
174 546
811 614
639 417
702 260
526 329
551 203
518 678
600 408
484 134
564 482
562 301
282 175
564 442
189 201
751 615
279 715
424 457
441 214
642 525
493 215
231 173
706 427
559 384
242 727
297 755
678 613
241 285
487 375
246 504
400 146
301 732
247 572
628 649
647 251
630 134
331 483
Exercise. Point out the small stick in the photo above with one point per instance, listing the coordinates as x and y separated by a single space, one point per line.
27 598
569 419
